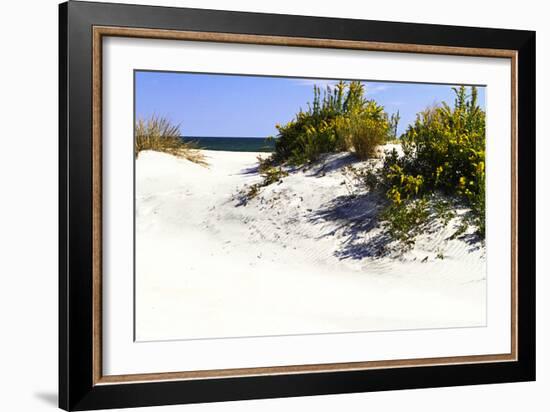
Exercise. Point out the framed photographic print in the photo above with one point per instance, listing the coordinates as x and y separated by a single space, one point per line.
256 205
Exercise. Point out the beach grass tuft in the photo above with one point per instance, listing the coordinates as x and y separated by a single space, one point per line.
157 133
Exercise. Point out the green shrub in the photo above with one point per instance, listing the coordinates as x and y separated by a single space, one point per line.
363 129
444 151
341 119
273 175
270 174
405 221
447 146
159 134
444 210
311 132
393 123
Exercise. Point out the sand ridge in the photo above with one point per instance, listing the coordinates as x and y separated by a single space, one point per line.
300 257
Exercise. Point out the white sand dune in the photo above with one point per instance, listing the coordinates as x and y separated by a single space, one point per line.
301 257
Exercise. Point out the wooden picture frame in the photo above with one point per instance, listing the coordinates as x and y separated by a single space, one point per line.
82 385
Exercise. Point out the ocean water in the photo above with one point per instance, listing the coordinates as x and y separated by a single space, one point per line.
233 144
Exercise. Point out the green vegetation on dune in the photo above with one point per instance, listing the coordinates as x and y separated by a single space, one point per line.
443 152
439 171
341 119
441 167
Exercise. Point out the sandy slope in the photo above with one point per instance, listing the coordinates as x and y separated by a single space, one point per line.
301 257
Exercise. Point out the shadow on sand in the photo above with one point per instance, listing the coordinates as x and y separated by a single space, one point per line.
326 164
355 217
252 170
331 163
473 241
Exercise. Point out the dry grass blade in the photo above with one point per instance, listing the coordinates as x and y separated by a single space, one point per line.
159 134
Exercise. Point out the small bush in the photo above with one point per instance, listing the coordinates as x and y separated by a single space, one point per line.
341 119
444 210
270 174
311 132
405 221
273 175
444 151
264 163
159 134
444 154
363 130
369 135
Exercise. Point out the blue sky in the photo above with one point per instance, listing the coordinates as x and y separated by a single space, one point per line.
250 106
